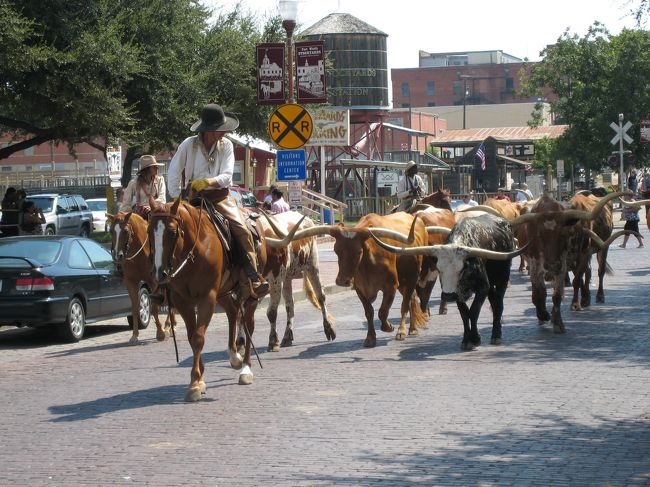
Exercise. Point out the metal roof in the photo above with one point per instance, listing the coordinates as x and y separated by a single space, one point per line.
507 135
422 166
340 23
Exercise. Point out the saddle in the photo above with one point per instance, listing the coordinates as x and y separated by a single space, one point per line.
233 251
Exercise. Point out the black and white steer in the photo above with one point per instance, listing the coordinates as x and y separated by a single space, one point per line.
475 261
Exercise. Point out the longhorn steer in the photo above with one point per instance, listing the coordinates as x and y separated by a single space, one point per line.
549 229
475 261
369 269
582 246
285 264
435 217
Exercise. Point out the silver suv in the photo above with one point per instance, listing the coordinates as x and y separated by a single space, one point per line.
65 214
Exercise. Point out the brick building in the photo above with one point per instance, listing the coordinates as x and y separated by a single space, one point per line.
471 78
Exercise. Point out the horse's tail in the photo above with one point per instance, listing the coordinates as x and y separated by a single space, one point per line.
418 317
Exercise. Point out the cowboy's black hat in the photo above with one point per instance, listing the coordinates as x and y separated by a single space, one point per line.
214 119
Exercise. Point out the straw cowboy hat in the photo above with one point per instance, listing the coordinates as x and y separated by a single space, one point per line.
213 119
410 164
148 161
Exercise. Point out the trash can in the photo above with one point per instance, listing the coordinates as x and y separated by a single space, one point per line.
327 217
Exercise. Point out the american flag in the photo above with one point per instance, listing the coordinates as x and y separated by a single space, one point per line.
480 153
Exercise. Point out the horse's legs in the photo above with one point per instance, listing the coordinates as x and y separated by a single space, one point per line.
246 374
232 312
132 289
160 333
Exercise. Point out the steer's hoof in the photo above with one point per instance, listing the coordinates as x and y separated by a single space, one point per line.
160 335
273 347
495 341
387 327
559 328
370 342
400 336
193 394
202 386
133 340
467 346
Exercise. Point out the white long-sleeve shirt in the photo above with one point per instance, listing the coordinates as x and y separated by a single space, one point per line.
404 186
196 160
133 197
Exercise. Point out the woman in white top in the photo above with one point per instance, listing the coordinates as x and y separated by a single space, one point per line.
147 183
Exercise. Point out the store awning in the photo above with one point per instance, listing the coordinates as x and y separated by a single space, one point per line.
516 161
422 166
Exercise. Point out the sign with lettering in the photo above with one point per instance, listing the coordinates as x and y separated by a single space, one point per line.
292 165
310 72
270 73
331 127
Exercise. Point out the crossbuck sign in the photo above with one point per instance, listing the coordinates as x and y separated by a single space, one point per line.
621 131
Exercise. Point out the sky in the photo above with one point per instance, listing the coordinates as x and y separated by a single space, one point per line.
521 28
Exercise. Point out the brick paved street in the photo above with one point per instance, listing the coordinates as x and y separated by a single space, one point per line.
541 409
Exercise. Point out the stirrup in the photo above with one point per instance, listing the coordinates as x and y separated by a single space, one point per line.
258 289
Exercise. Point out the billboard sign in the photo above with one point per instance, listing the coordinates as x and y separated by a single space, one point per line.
310 72
270 73
331 127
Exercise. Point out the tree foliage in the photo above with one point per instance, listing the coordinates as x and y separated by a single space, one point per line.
129 72
595 78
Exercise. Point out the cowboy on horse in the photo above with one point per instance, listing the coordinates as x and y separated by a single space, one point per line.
207 160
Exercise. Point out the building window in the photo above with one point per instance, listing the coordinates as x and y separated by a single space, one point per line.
431 104
406 91
6 168
406 105
510 84
458 90
431 88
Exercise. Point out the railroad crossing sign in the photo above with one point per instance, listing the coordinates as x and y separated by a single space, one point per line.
621 132
290 126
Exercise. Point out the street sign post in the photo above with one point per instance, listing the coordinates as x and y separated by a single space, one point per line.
292 165
621 136
290 126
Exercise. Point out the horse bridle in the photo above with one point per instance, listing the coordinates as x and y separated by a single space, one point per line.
168 274
114 252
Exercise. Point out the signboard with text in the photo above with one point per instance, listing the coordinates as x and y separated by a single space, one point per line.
292 165
331 127
310 72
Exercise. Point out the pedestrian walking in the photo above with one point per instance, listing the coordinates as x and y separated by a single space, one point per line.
631 217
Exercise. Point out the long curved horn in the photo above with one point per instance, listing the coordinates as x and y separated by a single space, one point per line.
485 208
314 231
598 241
275 243
274 225
433 250
638 203
437 229
420 250
526 217
393 234
493 254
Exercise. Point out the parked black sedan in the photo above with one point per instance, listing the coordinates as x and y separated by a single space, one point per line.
64 281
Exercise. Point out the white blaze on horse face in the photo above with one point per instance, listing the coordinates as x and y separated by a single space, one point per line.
158 233
450 264
118 230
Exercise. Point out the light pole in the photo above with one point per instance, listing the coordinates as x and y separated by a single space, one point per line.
465 93
621 172
289 12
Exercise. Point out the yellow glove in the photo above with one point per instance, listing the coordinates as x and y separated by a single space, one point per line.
200 184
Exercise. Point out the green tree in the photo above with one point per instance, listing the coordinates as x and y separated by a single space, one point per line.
595 78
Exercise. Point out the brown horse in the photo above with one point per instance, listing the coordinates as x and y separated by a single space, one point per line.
130 251
190 261
439 199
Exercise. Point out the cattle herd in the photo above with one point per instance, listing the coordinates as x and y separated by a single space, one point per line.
470 251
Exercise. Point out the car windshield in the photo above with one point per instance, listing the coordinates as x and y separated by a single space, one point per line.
96 205
42 251
43 203
248 199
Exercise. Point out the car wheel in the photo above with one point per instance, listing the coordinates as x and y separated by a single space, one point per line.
75 323
50 231
84 232
144 310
